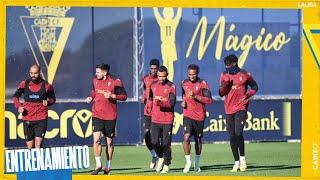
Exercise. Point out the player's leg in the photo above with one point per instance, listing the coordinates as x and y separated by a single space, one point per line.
240 119
97 128
155 140
233 141
29 134
186 143
110 129
147 139
198 128
40 128
167 136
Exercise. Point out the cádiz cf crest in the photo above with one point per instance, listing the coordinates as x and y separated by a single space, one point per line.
47 30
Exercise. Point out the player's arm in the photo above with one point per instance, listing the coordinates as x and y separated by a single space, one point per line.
92 94
145 95
149 102
119 91
183 103
206 98
253 86
225 85
183 91
18 94
51 98
171 102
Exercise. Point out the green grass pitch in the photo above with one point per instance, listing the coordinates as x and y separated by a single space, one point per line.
263 159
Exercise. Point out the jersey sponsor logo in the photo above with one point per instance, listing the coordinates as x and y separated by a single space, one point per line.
34 96
235 87
160 98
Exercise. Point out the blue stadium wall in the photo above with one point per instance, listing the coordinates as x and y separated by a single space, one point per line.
127 38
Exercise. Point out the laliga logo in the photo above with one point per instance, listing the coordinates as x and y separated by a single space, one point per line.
42 29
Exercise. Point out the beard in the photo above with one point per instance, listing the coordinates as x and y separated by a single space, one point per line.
36 80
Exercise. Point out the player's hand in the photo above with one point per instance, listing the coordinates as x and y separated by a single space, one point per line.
141 99
191 94
183 104
20 109
113 96
44 102
107 94
226 78
242 100
89 99
157 102
225 87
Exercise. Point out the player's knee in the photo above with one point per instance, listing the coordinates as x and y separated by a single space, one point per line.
186 138
146 130
238 133
154 141
239 137
233 137
198 140
96 142
30 145
38 142
147 133
167 145
109 142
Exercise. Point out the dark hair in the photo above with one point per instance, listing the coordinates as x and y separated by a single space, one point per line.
154 62
230 59
194 67
163 69
104 67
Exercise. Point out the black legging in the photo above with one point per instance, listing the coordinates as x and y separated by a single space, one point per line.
235 125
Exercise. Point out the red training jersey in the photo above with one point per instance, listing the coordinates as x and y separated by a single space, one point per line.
34 93
161 102
196 105
237 96
106 108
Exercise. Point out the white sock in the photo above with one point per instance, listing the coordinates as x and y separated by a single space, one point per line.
188 158
98 161
197 159
153 153
242 158
237 163
108 164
